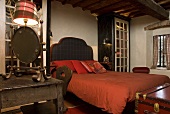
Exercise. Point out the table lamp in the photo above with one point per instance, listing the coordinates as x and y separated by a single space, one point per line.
25 13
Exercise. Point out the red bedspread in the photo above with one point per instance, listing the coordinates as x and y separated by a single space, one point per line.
112 90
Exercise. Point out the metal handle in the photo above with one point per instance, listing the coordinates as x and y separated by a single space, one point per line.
156 107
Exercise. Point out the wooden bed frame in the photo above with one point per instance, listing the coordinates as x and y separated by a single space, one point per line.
71 48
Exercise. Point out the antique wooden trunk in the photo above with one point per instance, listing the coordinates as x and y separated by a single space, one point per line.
153 101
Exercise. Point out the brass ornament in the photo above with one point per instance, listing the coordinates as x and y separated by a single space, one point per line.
144 96
137 95
156 107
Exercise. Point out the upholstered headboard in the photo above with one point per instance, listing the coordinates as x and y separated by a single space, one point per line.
71 48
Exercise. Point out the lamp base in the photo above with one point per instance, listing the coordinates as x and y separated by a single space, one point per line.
37 72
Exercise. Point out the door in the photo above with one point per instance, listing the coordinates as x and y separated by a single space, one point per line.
121 45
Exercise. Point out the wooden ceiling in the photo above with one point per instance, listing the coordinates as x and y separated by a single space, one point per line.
128 8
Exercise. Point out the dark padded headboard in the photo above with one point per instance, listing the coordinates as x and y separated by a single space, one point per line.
71 48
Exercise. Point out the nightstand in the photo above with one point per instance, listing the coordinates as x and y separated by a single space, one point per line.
23 90
107 65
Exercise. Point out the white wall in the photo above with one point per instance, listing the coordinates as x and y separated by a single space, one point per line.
161 31
138 40
142 43
73 22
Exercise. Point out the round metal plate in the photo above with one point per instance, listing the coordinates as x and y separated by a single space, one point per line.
26 44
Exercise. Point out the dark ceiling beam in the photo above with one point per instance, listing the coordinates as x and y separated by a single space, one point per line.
90 5
127 13
110 8
166 6
58 0
125 10
120 6
72 2
78 3
104 4
135 14
64 2
151 8
100 3
86 3
164 2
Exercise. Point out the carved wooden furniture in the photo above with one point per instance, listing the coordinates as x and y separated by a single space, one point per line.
19 91
65 74
154 101
26 54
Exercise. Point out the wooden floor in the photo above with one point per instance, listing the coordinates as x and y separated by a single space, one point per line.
71 101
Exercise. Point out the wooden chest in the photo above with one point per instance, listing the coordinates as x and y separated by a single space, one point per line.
153 101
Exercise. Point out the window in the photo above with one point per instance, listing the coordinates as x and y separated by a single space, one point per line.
161 51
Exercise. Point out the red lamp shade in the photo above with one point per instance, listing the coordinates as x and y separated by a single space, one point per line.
25 13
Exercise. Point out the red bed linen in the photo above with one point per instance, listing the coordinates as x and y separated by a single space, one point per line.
112 90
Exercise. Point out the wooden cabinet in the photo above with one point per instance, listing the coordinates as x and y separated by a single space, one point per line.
113 41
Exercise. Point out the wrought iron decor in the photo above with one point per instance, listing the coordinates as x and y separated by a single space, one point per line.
27 47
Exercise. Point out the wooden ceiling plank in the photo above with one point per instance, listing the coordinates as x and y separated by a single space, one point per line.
72 2
98 4
78 3
59 0
124 5
134 14
90 5
112 7
68 1
166 6
164 2
137 15
131 11
86 3
102 3
151 8
156 8
64 2
126 8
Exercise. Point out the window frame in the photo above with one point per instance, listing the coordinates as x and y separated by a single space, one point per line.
161 62
161 51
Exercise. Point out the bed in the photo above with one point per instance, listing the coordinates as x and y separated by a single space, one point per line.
111 91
